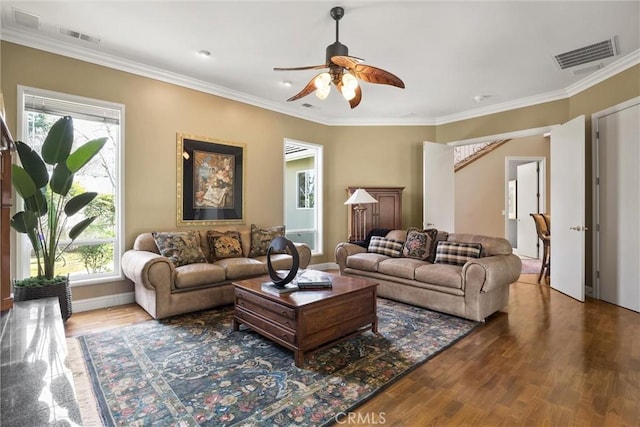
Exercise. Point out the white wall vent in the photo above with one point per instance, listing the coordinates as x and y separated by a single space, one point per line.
78 35
26 19
586 54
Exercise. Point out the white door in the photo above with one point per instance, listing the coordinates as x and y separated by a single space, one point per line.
618 254
438 187
526 204
568 208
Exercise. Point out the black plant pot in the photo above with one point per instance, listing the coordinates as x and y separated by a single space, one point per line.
62 290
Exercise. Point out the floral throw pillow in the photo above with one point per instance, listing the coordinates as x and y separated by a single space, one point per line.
420 244
261 239
181 247
224 245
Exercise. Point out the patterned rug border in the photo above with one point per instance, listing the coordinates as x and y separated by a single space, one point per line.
101 406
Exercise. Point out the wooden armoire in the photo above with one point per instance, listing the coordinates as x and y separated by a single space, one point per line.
387 213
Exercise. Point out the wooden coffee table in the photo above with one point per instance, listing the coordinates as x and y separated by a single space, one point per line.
310 320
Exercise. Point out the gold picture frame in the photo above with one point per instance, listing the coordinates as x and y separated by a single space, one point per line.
210 181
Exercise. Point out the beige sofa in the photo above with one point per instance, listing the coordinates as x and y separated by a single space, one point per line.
164 290
474 291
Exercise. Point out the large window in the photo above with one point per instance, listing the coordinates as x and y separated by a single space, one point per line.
95 254
303 193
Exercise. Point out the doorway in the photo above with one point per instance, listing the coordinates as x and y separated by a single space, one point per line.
617 207
525 183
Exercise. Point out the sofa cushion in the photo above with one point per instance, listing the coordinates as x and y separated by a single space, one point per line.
188 276
457 253
365 261
446 275
223 244
261 239
420 244
181 247
400 267
278 261
238 268
384 246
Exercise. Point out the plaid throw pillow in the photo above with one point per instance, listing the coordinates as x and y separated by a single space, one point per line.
457 253
384 246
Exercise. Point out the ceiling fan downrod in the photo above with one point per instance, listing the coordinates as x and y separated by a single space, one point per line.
337 48
337 13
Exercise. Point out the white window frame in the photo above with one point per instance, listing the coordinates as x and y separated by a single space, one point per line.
22 244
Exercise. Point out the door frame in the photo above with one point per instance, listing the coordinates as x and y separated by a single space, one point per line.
595 167
542 183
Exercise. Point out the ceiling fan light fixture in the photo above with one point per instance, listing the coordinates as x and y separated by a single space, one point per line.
323 92
348 93
349 81
322 80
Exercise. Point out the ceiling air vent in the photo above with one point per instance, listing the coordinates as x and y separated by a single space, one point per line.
307 105
80 36
583 55
26 19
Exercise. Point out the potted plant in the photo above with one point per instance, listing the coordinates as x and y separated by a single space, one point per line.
44 182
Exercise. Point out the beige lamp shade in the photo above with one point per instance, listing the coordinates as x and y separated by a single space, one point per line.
360 196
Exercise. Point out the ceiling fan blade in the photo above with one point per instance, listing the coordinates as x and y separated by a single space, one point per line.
356 99
309 67
368 73
309 88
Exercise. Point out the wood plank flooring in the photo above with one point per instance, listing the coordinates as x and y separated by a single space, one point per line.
545 360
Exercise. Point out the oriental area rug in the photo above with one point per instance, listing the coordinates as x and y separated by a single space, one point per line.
194 370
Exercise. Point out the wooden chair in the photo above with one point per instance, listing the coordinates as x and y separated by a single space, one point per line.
543 222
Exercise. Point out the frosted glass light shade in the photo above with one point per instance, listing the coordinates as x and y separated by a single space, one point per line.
323 92
360 196
322 80
349 81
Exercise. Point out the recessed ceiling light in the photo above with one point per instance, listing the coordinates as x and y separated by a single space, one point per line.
204 53
286 83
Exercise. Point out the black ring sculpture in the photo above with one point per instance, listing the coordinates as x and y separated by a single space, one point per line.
280 244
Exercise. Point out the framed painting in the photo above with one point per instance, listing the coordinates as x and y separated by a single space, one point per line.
210 181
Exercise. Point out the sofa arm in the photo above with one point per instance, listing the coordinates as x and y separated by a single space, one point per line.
345 249
489 273
304 251
153 271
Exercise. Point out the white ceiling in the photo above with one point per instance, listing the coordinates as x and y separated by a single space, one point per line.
447 53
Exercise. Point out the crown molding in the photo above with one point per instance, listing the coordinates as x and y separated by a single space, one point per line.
609 71
63 48
36 41
503 106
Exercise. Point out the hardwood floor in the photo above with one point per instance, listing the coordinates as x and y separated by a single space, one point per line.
546 359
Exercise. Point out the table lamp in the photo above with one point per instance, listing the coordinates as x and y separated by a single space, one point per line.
359 198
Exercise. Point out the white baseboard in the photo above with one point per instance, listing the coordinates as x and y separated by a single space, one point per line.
103 302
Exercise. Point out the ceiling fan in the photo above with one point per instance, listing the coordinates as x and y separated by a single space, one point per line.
344 72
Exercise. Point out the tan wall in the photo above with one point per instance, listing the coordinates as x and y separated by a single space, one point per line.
372 156
480 202
358 155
